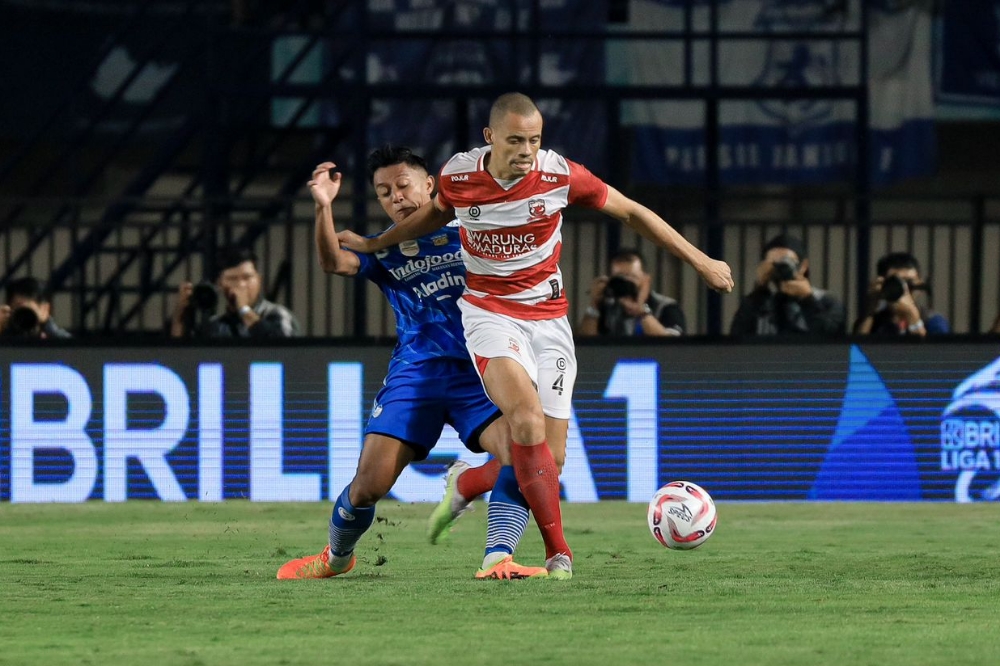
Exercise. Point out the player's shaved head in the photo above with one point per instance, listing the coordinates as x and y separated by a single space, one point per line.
512 102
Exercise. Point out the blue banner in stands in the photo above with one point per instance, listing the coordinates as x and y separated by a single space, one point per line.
969 52
496 53
783 140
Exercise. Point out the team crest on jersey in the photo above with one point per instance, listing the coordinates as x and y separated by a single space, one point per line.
440 240
536 207
409 248
474 212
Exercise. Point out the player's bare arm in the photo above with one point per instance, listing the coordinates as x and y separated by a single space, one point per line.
324 187
651 226
429 217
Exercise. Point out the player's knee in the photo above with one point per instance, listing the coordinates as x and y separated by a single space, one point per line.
367 489
527 425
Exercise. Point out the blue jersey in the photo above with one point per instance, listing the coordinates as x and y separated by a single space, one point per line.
423 280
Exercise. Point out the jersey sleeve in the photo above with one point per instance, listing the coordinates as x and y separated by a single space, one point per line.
586 189
443 194
367 263
370 268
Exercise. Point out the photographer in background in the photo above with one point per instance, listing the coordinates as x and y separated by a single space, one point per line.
897 301
27 312
622 303
247 313
783 301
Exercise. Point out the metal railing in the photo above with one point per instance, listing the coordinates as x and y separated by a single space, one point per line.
956 239
115 261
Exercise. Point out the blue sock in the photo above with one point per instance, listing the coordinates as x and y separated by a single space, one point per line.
348 523
507 515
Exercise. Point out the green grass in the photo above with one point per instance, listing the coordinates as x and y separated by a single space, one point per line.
777 584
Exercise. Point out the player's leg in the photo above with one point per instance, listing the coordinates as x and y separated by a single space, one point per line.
507 515
471 482
534 467
506 523
481 427
405 422
382 460
557 369
463 483
505 359
556 432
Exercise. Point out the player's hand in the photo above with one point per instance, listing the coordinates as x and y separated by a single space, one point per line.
4 316
597 288
353 241
717 275
325 185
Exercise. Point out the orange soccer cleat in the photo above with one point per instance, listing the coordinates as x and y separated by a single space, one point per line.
324 565
508 569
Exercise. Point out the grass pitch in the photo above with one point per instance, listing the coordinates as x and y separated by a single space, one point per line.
777 584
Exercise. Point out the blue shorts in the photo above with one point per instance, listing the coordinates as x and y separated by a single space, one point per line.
416 400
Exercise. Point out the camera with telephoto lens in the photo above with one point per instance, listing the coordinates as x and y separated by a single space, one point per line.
893 289
23 323
619 287
204 297
200 308
784 269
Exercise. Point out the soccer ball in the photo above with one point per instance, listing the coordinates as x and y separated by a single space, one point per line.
681 515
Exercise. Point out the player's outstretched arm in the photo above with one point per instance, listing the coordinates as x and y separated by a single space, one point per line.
651 226
429 217
324 188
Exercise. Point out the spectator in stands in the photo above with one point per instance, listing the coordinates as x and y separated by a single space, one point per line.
27 312
898 301
783 301
623 302
247 315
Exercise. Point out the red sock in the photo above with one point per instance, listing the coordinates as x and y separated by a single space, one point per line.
538 476
477 480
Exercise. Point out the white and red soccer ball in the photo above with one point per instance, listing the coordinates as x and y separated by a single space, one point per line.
681 515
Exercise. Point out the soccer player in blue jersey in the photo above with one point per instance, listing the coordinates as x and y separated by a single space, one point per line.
431 380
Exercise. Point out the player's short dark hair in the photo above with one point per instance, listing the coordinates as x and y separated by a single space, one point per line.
233 256
627 254
512 102
28 288
896 260
390 155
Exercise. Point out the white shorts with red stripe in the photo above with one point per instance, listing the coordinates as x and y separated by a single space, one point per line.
544 348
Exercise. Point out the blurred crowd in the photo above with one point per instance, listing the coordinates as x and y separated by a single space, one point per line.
783 301
230 306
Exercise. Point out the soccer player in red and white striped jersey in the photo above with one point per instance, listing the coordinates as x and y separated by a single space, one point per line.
508 197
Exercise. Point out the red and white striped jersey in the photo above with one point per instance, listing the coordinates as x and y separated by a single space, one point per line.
512 238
